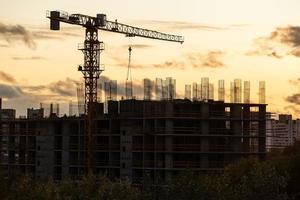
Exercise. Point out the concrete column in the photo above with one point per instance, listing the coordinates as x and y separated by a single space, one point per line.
126 153
204 162
236 116
262 131
169 140
45 154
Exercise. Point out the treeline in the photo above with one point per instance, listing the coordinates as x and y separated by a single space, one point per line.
278 178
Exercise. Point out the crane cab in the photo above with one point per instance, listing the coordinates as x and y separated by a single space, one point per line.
54 23
101 19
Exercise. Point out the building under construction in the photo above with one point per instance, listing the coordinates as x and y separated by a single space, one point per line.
135 138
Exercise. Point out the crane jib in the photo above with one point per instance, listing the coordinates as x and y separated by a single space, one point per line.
101 23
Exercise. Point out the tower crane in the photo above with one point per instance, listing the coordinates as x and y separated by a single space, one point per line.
91 68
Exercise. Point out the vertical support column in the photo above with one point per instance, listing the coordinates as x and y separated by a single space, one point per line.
236 120
188 92
247 92
204 131
221 90
147 89
262 92
262 131
169 140
126 153
246 128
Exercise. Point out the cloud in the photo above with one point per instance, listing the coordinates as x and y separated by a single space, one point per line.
63 88
3 45
292 109
21 96
170 64
14 33
28 58
294 99
265 52
57 89
212 59
281 42
295 82
7 77
289 35
9 91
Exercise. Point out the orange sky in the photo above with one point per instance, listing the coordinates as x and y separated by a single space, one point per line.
251 40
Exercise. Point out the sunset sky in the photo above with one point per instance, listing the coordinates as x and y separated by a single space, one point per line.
251 40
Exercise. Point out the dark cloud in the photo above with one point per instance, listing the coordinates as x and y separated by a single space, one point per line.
36 88
9 91
289 35
7 77
58 89
14 33
281 42
28 58
63 88
22 96
294 99
212 59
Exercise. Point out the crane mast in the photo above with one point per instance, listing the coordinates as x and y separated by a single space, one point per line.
91 68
